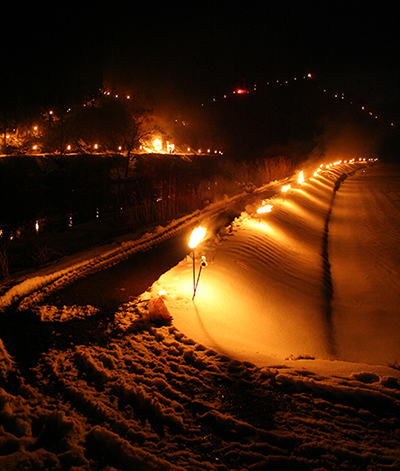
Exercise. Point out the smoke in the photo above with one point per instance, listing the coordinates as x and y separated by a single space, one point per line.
349 141
344 141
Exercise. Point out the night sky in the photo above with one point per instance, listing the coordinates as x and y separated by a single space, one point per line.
190 51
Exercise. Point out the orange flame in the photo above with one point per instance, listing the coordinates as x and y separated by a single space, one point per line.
157 145
197 236
265 208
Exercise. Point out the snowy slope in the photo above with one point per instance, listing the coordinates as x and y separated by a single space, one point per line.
257 373
306 279
365 258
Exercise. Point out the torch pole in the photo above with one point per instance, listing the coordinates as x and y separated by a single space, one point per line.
197 282
194 275
202 264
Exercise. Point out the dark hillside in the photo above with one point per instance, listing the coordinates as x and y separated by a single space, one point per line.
289 119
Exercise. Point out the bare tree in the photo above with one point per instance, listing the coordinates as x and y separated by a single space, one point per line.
116 125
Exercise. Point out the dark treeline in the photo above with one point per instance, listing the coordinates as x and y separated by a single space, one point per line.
49 199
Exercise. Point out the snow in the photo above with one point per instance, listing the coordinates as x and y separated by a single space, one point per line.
267 276
285 359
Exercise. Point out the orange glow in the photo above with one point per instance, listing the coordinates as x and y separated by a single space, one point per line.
157 145
265 208
197 236
285 188
300 180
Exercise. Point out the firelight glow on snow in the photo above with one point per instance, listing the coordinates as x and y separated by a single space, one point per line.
262 321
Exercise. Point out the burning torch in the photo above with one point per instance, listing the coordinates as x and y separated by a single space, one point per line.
196 237
265 208
285 188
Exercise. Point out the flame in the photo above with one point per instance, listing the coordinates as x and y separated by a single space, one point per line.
197 236
265 208
300 180
157 145
285 188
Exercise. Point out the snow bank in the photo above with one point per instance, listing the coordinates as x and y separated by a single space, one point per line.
273 291
251 374
155 399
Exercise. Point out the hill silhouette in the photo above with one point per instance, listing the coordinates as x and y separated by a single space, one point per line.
295 119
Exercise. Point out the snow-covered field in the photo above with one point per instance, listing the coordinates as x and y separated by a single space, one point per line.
286 358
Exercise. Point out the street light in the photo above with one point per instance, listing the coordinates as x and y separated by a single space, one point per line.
196 237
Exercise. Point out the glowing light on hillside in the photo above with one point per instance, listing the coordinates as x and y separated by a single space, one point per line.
197 236
170 147
157 144
300 179
96 146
